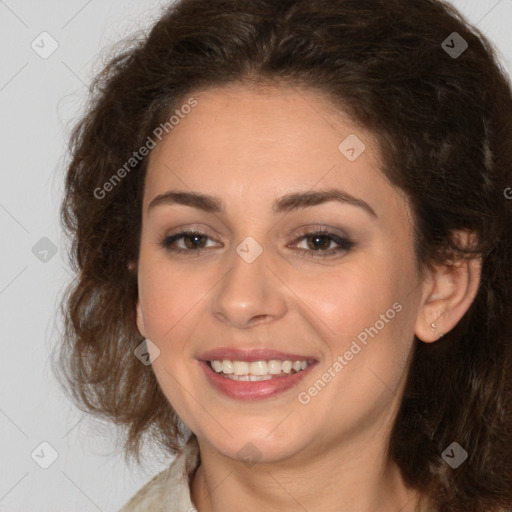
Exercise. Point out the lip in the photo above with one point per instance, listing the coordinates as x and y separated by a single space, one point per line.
257 354
255 390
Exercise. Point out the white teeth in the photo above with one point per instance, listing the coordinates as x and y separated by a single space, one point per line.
227 367
286 366
241 367
251 378
274 367
217 366
256 370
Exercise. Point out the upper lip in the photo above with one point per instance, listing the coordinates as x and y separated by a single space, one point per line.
256 354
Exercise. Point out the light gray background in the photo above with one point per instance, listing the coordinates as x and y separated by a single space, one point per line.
40 98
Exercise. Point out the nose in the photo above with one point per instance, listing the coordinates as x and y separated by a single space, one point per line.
249 293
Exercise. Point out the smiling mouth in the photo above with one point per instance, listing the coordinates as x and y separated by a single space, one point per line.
251 371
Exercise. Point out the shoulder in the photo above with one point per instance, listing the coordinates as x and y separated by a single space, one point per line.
169 490
148 497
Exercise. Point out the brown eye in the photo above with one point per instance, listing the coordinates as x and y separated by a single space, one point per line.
194 241
321 242
187 241
318 244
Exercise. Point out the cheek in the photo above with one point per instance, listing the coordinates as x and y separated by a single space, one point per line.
168 295
347 299
362 315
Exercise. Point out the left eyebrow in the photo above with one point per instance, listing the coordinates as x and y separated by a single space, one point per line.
306 199
286 203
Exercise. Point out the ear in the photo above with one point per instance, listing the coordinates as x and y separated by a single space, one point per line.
448 292
132 267
140 319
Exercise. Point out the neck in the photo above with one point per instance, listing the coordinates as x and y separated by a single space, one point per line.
357 476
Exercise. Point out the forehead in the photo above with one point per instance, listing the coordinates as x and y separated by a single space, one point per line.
240 139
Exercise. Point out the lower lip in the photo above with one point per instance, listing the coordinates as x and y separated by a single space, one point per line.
247 390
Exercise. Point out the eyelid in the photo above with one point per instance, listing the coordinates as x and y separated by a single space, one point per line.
341 239
321 229
183 233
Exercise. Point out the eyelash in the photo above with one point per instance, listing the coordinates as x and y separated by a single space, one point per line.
344 243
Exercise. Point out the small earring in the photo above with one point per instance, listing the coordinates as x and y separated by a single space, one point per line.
433 325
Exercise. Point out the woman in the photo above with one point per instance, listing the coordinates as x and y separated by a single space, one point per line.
293 244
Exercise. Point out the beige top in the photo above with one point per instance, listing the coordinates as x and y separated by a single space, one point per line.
169 490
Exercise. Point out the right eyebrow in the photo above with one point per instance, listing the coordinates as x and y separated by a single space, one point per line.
202 201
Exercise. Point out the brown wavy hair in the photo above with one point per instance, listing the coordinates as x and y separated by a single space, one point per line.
444 125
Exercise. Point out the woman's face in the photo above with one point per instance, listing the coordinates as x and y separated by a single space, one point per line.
303 252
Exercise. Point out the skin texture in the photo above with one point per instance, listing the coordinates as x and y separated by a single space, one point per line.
248 147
